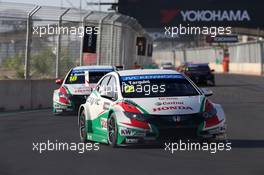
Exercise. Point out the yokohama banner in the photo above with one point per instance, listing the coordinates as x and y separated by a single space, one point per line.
233 13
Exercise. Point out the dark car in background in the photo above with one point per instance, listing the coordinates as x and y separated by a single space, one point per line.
200 73
167 66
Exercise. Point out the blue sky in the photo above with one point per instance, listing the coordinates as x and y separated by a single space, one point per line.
64 3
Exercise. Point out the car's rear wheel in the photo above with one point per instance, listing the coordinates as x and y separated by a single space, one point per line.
112 130
82 127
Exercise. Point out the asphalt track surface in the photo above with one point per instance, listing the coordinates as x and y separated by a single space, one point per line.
241 96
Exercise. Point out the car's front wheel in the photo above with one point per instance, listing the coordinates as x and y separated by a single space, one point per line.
112 130
82 127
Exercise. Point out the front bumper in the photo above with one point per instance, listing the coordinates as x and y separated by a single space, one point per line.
166 129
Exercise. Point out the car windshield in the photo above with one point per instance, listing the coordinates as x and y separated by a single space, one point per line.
156 85
198 68
78 76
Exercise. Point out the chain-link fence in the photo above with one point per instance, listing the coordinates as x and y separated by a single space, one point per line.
41 42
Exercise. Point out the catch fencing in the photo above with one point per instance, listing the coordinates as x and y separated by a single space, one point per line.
31 48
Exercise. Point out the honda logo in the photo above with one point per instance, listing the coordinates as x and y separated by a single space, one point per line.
176 118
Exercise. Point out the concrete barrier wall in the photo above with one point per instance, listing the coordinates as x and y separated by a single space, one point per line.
239 68
26 94
217 67
163 57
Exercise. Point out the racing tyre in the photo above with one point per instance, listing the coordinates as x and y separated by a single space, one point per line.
82 127
112 130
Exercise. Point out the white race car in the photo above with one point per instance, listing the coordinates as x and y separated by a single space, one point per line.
138 106
76 86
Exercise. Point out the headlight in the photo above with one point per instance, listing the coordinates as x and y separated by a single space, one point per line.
136 116
210 111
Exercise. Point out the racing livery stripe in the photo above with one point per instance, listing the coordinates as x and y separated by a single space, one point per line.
211 122
101 113
139 107
128 107
95 93
138 124
62 104
202 104
200 128
143 110
69 92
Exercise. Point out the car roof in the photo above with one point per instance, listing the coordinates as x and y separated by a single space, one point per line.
145 72
93 67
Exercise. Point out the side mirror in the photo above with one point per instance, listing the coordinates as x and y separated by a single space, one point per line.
121 67
59 81
207 92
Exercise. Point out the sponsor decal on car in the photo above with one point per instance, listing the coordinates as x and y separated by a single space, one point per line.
106 106
131 140
168 98
166 108
176 118
158 103
152 76
92 100
82 91
103 123
169 103
126 132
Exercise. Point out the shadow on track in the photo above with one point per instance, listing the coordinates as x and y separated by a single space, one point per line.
235 85
241 143
236 143
154 146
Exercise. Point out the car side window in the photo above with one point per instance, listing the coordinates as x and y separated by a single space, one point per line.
112 88
103 84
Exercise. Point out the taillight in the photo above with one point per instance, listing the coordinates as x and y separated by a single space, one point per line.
210 111
63 96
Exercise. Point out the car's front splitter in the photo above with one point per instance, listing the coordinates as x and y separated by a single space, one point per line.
133 135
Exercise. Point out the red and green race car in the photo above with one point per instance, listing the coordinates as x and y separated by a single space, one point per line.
139 106
76 86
